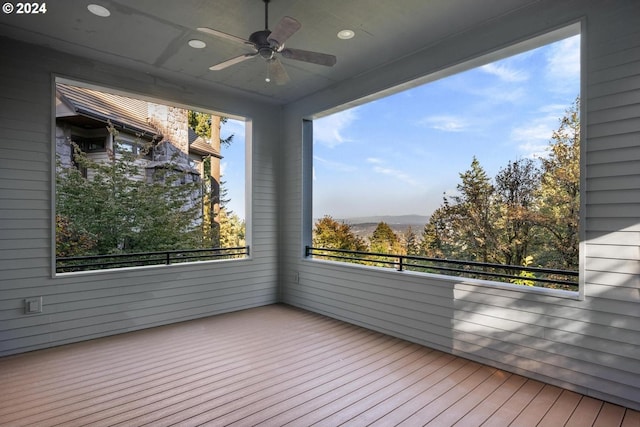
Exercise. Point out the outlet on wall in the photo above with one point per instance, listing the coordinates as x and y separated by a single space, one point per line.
33 305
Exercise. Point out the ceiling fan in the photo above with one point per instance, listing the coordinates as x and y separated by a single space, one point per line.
267 44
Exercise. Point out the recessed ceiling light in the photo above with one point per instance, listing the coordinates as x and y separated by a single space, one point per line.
197 44
346 34
96 9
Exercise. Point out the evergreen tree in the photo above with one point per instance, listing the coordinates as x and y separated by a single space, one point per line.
411 242
385 241
516 185
216 215
438 237
471 215
232 230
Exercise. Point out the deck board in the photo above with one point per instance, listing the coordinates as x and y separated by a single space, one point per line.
274 366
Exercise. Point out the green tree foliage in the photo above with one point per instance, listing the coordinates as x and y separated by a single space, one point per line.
200 123
232 230
385 241
524 275
331 234
120 210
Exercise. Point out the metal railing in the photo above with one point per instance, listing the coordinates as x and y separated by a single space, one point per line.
532 276
100 262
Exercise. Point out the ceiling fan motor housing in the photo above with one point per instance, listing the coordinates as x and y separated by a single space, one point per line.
267 44
260 39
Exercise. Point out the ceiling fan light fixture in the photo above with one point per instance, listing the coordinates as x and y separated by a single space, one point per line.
346 34
98 10
197 44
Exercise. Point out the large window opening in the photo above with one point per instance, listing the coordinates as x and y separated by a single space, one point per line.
142 182
475 175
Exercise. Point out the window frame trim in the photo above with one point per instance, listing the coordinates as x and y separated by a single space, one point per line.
248 174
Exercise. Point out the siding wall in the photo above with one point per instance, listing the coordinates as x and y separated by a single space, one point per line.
90 305
589 345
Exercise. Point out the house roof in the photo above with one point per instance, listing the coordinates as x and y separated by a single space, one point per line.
198 145
123 112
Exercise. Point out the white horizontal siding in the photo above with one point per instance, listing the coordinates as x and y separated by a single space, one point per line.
613 101
590 345
84 306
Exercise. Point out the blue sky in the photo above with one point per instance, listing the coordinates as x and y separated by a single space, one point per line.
232 166
399 154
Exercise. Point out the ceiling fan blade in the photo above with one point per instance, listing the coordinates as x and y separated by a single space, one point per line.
308 56
232 61
277 72
283 30
225 36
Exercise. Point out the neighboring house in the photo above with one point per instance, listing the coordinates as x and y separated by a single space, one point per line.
83 115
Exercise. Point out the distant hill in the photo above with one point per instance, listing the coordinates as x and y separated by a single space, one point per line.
389 219
365 226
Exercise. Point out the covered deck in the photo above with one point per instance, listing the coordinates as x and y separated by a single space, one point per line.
277 365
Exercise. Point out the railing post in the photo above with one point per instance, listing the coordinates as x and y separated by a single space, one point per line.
400 259
168 258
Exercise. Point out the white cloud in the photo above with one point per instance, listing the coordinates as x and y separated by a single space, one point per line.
330 130
534 151
563 62
395 173
498 95
554 110
532 138
534 131
505 73
446 123
337 166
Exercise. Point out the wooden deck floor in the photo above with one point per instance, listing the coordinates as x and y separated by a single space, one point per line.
275 366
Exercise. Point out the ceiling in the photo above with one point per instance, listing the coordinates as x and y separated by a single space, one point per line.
151 36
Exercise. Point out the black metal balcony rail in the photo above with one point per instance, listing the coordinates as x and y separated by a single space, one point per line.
531 276
101 262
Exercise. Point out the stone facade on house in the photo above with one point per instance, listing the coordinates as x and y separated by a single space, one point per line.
172 123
